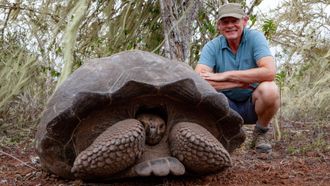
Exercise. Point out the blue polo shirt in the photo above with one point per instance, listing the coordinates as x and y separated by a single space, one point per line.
217 55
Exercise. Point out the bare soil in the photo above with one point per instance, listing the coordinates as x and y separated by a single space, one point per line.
301 157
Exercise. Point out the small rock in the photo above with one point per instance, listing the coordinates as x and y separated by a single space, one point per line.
4 182
264 156
38 174
35 159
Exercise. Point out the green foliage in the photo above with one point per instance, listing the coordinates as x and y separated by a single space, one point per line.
280 78
269 28
16 72
300 29
206 25
253 19
23 93
307 91
306 139
318 145
111 29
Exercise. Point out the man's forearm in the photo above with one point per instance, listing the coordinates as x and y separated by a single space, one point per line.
249 76
265 71
223 85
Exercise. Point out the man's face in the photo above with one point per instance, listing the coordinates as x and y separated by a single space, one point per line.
231 27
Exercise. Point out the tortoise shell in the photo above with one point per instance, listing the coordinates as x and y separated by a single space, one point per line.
108 92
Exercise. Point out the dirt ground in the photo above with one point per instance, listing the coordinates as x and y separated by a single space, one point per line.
301 157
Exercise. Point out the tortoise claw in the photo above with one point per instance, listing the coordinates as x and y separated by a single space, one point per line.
114 150
160 167
198 149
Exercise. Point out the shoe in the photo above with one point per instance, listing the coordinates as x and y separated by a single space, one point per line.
260 141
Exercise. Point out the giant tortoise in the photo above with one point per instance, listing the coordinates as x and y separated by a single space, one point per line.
136 114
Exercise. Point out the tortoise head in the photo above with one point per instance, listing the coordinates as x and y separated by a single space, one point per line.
155 127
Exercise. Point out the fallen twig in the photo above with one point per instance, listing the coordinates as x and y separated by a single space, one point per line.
9 155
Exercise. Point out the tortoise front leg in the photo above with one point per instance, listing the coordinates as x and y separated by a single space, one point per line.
116 149
197 148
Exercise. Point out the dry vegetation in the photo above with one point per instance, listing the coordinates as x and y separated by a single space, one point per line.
31 51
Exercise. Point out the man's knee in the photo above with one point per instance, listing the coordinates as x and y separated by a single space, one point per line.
268 93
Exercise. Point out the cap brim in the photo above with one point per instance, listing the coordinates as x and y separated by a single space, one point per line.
238 16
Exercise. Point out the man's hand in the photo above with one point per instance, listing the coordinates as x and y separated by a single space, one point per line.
219 81
213 76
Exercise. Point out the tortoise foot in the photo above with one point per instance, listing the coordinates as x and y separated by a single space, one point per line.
113 151
198 149
160 167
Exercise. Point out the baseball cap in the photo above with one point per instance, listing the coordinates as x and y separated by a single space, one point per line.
231 10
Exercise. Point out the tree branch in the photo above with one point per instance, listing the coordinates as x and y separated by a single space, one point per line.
70 35
9 155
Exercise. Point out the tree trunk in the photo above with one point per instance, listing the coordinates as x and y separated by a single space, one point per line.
178 17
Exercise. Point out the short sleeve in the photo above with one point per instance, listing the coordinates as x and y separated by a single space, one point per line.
208 55
260 46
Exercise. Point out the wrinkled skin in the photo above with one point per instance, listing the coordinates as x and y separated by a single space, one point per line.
155 127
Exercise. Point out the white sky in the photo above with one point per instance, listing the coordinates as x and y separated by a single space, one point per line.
267 5
264 7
